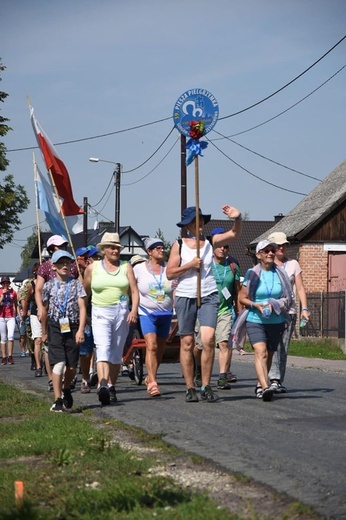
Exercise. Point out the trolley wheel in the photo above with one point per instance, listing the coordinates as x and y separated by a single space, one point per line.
137 359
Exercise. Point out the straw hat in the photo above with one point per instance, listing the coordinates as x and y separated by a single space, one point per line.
110 239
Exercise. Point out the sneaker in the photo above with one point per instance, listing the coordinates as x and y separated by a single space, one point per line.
277 387
10 360
124 371
58 406
93 379
223 384
259 392
112 394
267 394
198 379
22 354
50 386
104 395
85 388
4 361
38 372
67 398
191 396
207 394
231 378
73 383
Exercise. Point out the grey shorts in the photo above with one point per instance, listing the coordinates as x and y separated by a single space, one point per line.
222 331
270 334
187 312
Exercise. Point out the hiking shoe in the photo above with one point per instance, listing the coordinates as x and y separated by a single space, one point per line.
267 394
73 383
22 354
231 378
198 379
38 372
223 384
58 406
259 392
112 394
50 386
191 396
10 360
85 388
104 395
4 361
207 394
277 387
67 398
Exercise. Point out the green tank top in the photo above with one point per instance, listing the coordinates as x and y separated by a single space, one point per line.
109 288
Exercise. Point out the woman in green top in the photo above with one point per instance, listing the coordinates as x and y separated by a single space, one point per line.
110 281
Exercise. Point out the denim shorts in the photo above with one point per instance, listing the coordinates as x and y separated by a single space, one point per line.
188 312
271 334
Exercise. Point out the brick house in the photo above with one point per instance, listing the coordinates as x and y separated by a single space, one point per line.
316 229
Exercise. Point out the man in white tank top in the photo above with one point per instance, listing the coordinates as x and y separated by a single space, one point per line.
184 264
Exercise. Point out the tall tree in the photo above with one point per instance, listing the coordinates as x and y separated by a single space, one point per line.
28 249
13 198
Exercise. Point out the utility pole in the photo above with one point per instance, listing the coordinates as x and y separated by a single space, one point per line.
85 220
117 179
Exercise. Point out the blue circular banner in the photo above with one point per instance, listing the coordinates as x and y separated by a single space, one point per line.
195 113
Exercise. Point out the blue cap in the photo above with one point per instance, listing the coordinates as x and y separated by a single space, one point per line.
189 214
81 251
217 231
93 251
57 255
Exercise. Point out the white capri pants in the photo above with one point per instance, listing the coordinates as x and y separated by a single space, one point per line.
110 330
7 326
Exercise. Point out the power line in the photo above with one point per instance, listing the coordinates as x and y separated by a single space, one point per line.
253 175
103 196
284 111
152 155
285 86
267 158
168 118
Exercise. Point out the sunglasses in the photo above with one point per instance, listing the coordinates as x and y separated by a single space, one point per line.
159 248
225 247
267 251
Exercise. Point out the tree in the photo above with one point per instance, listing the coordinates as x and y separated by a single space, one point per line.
167 245
28 249
13 198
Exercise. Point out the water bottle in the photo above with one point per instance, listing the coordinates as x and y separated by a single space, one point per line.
303 323
87 331
266 311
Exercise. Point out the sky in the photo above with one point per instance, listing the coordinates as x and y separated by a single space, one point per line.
92 68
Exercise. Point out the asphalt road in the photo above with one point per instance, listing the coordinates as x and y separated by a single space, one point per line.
295 444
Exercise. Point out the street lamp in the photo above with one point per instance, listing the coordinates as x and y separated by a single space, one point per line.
117 176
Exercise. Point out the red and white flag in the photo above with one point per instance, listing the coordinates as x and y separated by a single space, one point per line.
57 168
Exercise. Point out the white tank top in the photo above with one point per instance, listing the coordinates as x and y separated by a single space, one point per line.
187 284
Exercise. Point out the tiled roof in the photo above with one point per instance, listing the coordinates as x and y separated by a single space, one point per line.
251 229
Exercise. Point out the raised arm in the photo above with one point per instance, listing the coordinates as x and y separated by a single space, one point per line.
231 235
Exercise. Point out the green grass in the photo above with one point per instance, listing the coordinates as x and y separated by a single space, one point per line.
74 469
312 348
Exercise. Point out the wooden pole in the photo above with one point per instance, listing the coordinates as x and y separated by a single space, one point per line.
36 208
197 231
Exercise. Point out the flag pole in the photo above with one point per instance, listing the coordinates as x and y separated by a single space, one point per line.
197 231
36 209
64 220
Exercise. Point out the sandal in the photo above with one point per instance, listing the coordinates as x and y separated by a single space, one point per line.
153 389
146 381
